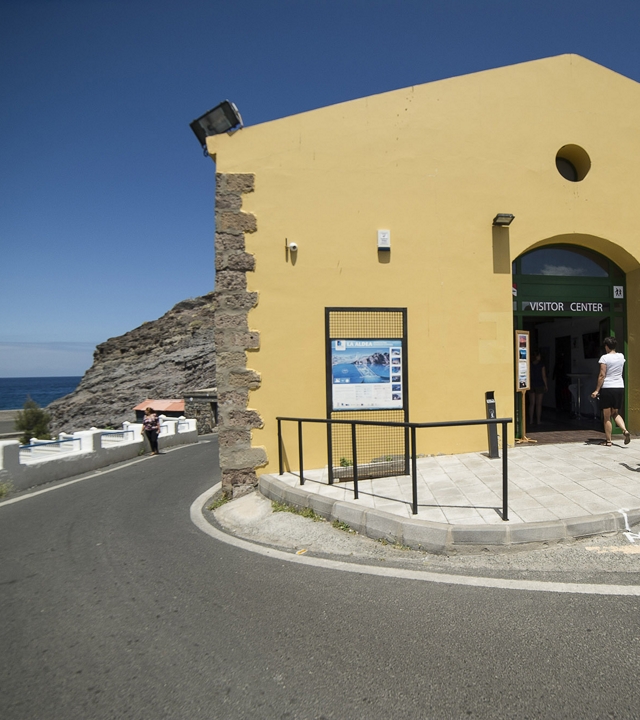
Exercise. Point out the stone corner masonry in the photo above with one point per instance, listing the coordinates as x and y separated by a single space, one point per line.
238 459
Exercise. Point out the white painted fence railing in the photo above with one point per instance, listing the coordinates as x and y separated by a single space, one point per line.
37 449
43 461
112 437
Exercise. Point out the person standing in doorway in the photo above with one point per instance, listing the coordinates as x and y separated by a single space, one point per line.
538 387
610 389
151 428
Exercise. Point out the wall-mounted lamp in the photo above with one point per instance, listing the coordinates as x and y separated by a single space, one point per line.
222 118
503 219
292 247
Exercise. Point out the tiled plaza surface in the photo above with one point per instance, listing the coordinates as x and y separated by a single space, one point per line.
547 482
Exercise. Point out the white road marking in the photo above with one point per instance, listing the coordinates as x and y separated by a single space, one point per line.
631 537
201 523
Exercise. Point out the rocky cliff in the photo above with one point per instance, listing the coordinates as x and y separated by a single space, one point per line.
165 358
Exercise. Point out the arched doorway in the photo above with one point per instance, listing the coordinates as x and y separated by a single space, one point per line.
569 298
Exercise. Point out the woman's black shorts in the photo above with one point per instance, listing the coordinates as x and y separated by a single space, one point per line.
611 398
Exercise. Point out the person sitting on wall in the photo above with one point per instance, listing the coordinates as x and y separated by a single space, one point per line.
151 428
610 389
538 387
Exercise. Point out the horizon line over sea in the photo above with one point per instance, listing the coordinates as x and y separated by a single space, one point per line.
14 391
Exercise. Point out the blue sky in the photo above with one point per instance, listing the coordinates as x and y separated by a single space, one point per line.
106 202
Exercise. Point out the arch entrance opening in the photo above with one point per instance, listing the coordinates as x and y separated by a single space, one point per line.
569 298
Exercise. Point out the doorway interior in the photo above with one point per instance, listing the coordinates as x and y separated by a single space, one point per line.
570 348
569 298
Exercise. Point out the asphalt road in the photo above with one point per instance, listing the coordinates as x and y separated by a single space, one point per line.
114 605
7 421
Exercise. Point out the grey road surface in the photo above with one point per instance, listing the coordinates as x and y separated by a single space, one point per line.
114 605
7 421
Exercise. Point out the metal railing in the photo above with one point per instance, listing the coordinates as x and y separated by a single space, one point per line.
49 446
411 455
116 436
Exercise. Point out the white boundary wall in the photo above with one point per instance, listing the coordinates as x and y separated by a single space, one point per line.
90 450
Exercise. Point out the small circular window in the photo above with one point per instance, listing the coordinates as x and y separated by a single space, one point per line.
573 163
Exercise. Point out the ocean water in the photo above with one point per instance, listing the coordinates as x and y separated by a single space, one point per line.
14 391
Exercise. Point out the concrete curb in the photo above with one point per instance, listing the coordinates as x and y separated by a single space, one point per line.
440 537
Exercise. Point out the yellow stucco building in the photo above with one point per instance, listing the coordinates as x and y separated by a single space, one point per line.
554 142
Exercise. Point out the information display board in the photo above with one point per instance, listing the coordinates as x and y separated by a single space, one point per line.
367 374
523 381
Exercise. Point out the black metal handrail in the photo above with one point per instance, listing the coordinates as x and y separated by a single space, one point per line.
412 427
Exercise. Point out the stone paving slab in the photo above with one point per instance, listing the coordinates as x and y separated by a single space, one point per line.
556 492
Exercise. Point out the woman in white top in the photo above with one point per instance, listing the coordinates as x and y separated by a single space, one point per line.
610 388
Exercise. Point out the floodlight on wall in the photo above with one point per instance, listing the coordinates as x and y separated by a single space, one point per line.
223 118
503 219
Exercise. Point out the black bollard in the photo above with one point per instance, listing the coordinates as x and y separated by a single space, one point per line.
492 430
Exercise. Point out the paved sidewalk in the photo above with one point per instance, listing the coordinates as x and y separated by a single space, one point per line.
555 492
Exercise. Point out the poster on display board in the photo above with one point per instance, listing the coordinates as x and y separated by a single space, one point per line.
367 374
522 360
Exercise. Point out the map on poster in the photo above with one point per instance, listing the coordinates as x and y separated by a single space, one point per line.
367 374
